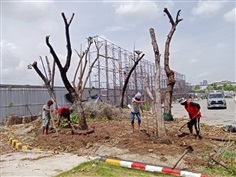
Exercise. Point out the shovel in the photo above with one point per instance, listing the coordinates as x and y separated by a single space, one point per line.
53 123
189 149
180 134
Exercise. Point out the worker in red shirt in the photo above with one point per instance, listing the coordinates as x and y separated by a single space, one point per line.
63 112
193 110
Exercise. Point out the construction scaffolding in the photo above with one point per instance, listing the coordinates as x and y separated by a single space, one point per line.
108 73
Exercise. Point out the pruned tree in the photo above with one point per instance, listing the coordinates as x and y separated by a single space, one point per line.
77 86
136 61
169 73
153 105
47 77
156 101
83 79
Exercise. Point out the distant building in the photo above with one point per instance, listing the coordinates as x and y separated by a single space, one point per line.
219 83
205 83
233 83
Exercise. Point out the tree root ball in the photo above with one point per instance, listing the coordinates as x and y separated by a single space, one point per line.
75 130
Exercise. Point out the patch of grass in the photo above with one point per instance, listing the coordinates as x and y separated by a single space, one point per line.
102 169
217 171
229 157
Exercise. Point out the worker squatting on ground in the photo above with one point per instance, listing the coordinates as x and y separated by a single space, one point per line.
135 110
193 110
64 112
46 116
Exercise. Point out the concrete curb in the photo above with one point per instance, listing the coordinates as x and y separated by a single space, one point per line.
26 148
151 168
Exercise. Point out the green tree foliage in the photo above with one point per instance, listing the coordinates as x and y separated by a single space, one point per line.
197 87
226 87
229 87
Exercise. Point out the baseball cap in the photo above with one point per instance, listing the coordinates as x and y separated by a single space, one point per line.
138 95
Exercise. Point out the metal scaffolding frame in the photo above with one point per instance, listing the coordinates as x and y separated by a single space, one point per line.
113 61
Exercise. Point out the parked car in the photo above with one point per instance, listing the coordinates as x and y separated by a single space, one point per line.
216 100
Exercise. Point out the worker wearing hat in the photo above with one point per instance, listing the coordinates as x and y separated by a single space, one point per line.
46 116
193 110
135 110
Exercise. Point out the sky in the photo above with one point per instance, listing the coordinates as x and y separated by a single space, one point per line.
202 48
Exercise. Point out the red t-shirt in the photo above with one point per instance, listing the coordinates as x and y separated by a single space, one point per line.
192 110
65 110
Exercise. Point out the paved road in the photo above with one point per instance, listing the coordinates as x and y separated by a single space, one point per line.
216 117
20 164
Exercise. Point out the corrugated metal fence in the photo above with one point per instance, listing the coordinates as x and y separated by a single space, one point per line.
26 100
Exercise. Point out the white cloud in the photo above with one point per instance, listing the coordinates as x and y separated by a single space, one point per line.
9 46
134 12
114 29
9 51
27 11
25 25
14 65
207 8
231 15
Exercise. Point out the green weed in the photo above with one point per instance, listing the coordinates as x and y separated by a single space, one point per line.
101 169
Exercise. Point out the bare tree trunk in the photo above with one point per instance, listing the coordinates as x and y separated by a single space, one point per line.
48 83
82 120
157 100
62 70
128 77
170 73
75 91
153 106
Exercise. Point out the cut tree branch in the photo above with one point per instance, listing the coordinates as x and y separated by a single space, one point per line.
77 69
91 67
53 73
35 66
71 19
55 57
169 16
177 17
49 69
68 43
127 79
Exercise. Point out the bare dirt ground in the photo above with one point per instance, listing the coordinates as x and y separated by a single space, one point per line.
114 138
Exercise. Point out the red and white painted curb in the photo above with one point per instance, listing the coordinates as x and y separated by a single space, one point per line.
151 168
